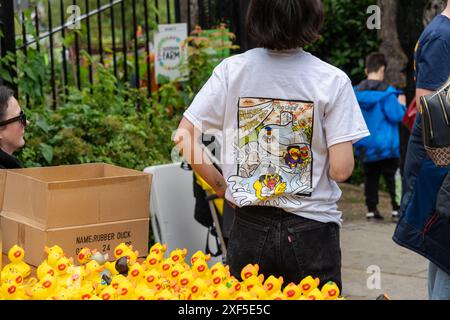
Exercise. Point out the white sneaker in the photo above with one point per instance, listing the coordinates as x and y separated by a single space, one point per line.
395 214
374 215
370 215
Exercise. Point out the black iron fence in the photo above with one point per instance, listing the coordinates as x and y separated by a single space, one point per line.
75 35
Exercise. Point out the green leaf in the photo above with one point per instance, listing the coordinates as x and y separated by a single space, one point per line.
42 124
47 152
5 75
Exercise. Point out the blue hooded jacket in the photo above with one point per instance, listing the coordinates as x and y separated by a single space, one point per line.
382 113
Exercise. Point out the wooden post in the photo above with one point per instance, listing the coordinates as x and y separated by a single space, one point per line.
195 19
391 46
8 42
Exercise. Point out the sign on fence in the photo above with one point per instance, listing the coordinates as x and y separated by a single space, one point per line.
171 51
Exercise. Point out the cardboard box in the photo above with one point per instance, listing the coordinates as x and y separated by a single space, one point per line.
103 237
91 205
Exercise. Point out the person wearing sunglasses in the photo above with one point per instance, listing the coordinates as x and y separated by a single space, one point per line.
12 129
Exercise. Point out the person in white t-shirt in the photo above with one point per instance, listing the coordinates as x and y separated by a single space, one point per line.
289 121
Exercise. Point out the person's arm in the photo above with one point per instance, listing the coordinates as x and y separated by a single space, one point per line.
342 161
393 110
187 141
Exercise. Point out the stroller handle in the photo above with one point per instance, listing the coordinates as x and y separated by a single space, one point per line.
212 197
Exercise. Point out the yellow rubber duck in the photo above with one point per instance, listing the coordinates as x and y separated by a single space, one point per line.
64 294
116 280
151 278
15 256
132 256
142 292
253 281
43 269
84 256
54 253
178 255
111 267
120 250
159 249
166 268
197 288
85 292
219 267
249 270
136 274
92 275
11 275
219 277
315 295
200 255
277 296
153 261
126 290
11 291
164 295
186 280
62 271
308 284
292 292
244 295
183 294
259 293
221 292
200 269
175 273
44 289
330 291
273 285
109 293
234 285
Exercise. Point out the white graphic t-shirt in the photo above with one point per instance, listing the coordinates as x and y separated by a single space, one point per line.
278 113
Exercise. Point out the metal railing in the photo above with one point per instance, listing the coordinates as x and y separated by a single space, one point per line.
116 33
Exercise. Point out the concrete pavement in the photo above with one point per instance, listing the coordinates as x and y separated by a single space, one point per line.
367 246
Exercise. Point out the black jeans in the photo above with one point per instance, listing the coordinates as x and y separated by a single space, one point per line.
372 173
283 244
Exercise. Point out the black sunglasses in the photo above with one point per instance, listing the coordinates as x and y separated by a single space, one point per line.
22 118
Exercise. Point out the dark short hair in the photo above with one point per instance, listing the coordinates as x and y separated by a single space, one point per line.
5 94
375 61
284 24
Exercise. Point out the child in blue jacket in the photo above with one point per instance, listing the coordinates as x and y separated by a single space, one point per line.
383 108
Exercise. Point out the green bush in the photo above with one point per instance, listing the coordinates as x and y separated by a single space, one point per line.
346 40
109 121
106 123
345 43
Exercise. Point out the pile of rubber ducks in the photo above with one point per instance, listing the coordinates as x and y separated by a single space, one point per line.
157 277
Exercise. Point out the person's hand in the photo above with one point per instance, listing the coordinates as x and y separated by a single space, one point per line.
221 189
220 194
402 99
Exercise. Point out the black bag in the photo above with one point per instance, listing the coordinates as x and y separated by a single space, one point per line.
436 127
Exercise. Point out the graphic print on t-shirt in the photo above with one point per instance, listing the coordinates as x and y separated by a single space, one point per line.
273 152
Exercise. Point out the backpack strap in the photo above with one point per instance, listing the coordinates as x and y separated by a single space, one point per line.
211 231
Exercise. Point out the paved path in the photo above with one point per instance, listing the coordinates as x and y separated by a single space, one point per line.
403 272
